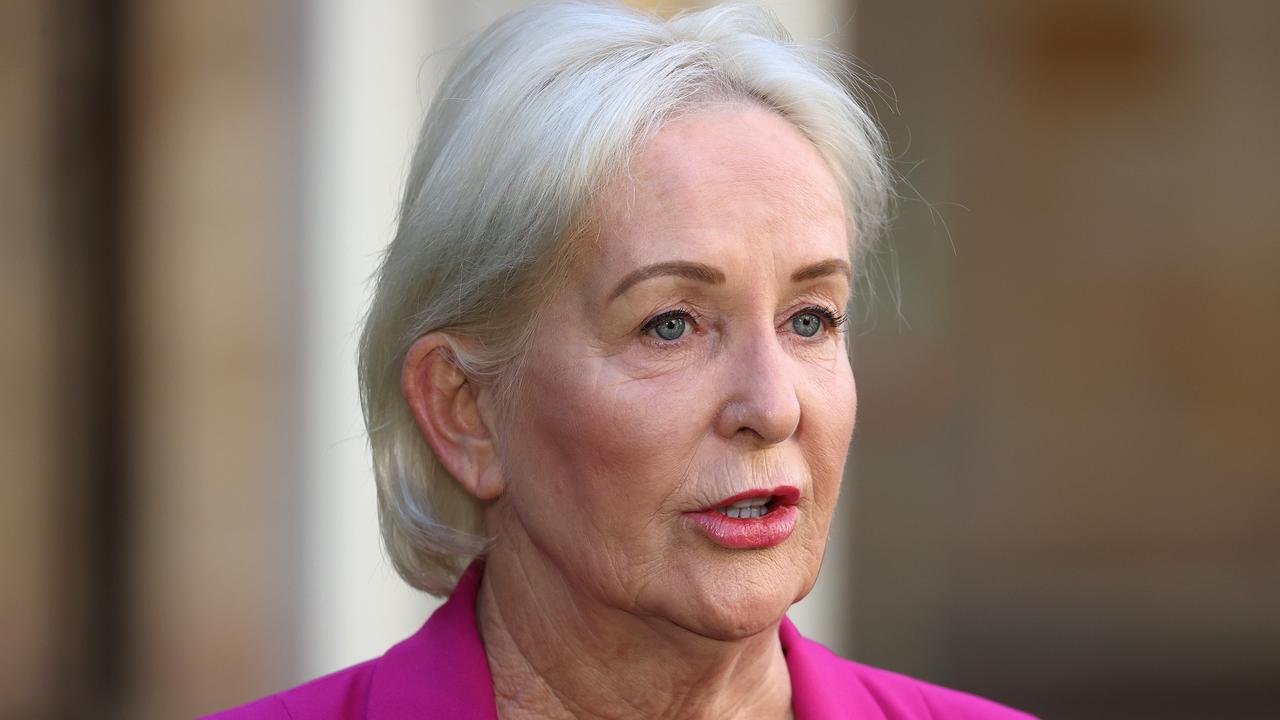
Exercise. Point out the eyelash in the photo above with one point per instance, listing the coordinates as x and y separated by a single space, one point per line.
833 321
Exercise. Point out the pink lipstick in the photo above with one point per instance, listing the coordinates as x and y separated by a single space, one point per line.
750 520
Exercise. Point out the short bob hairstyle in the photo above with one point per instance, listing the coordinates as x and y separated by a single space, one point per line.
536 114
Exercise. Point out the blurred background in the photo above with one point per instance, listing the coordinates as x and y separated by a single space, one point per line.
1064 490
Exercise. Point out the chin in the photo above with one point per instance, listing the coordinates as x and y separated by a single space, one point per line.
735 608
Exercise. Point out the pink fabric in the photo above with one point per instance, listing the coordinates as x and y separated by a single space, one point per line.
441 672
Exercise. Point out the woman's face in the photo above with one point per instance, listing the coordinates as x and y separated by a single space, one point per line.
692 358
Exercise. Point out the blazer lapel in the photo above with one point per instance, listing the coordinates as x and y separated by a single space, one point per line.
441 671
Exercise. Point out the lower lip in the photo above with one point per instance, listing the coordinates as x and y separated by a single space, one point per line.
747 533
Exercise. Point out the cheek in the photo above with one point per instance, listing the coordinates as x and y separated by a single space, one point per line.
833 414
594 455
851 403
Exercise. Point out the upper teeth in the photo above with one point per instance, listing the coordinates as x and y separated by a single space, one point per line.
751 508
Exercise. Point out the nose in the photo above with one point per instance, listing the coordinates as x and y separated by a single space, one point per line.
760 399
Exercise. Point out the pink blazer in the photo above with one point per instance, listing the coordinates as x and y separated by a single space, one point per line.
441 672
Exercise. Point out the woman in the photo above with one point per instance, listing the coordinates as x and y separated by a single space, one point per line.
606 382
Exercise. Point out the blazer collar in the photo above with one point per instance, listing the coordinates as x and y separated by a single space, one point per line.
822 685
441 669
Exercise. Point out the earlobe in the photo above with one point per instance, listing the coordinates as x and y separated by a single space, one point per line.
446 407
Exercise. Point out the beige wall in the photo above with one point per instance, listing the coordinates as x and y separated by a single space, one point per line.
29 493
211 136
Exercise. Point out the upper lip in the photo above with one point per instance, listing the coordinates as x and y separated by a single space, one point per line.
782 495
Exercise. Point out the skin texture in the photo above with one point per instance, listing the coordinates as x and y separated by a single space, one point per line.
600 598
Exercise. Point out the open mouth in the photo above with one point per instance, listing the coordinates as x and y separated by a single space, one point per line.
757 503
747 509
755 519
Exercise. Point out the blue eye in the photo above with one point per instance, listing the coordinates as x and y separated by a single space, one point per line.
806 324
668 326
809 321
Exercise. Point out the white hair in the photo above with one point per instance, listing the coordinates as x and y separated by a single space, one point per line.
535 115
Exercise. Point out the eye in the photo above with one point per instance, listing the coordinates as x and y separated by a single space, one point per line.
809 321
806 324
668 326
670 329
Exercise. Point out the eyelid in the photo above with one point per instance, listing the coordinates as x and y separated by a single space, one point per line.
833 319
665 315
691 317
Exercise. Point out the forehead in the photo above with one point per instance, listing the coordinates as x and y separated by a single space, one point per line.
719 184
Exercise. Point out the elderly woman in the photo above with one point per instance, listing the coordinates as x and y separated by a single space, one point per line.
607 384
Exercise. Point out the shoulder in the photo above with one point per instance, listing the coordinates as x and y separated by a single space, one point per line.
438 672
340 695
941 703
827 685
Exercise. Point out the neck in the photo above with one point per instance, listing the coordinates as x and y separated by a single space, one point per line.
553 653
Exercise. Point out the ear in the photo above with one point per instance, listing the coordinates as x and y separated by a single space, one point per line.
453 415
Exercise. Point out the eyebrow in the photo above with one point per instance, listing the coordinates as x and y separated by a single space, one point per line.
712 276
834 266
691 270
